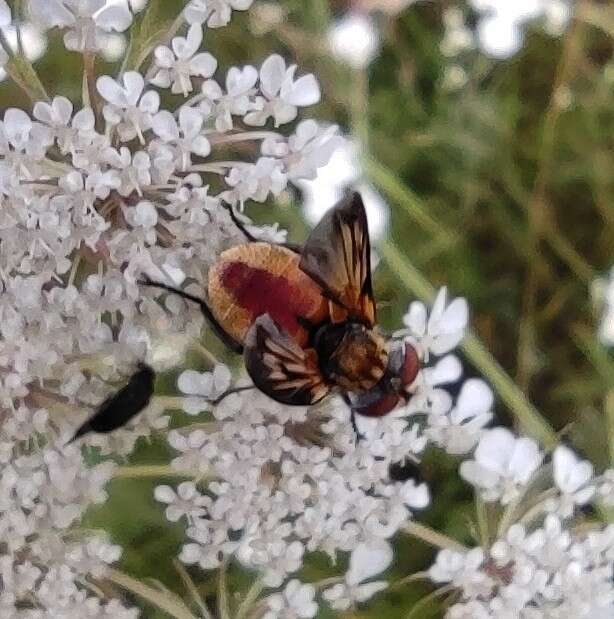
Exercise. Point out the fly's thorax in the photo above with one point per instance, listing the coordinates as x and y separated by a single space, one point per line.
351 355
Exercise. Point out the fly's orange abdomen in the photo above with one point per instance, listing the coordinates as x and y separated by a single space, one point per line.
257 278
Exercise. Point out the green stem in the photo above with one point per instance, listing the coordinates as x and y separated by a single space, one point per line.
481 510
432 537
139 471
21 71
386 180
527 416
417 612
193 590
165 601
250 598
609 416
223 602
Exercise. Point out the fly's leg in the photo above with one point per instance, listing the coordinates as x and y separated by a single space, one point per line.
226 338
357 434
240 226
250 237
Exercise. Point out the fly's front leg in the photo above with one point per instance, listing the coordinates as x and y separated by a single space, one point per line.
226 338
357 434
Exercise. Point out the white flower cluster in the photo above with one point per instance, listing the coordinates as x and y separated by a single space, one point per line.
273 482
545 564
42 494
92 197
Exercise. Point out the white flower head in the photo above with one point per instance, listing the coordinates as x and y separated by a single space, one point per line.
175 67
215 12
187 501
502 465
572 477
296 601
236 101
282 94
127 107
184 136
444 328
367 560
459 430
88 22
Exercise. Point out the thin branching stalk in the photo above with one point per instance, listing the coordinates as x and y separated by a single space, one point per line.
250 599
223 601
164 600
140 471
190 585
432 537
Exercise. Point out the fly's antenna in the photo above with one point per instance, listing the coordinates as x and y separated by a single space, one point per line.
226 338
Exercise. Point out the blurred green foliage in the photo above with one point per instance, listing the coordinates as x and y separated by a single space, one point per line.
514 172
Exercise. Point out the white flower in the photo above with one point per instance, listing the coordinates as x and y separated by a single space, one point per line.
88 21
184 136
572 477
255 182
175 67
366 561
187 501
206 386
309 148
127 107
428 396
237 101
459 430
281 93
134 170
354 39
443 330
503 465
215 12
295 602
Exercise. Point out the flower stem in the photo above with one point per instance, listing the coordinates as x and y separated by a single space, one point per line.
22 73
191 587
432 537
250 598
223 602
417 612
164 600
140 471
528 417
386 180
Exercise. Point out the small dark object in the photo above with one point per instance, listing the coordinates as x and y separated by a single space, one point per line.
122 406
405 470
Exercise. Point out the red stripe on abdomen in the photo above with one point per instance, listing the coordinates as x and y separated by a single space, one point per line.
259 292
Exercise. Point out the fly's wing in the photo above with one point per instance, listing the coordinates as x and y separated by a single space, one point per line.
280 368
337 255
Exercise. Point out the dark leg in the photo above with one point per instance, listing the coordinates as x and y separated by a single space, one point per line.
357 433
230 392
228 340
235 220
251 238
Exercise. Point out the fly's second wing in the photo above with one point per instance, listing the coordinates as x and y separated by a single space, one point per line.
280 368
337 255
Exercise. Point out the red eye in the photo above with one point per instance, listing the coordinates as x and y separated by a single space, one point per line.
379 407
411 365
